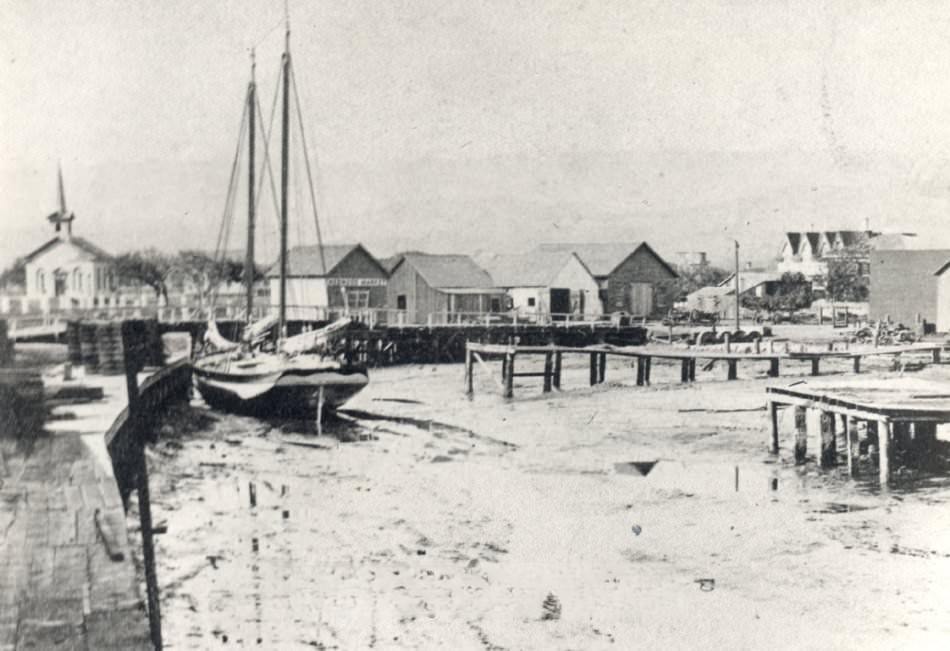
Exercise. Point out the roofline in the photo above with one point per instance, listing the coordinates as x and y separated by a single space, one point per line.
655 255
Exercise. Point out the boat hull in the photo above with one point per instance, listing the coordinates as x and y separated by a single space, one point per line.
286 394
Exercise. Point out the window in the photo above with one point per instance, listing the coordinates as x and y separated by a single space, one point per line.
357 299
401 302
531 302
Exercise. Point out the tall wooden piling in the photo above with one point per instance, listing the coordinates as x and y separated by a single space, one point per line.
773 367
732 366
829 448
801 434
692 370
641 368
851 443
557 370
548 371
684 370
884 431
469 373
773 418
857 363
602 368
593 368
509 375
815 361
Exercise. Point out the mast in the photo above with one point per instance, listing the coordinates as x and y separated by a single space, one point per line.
284 175
249 251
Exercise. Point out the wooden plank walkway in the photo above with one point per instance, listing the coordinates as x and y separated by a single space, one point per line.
893 411
644 356
67 578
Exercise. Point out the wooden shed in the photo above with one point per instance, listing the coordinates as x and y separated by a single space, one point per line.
321 284
546 284
443 286
631 276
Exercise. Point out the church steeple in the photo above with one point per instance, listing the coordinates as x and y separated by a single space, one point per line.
62 216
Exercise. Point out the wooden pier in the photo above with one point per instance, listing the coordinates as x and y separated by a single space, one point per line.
644 356
893 412
67 575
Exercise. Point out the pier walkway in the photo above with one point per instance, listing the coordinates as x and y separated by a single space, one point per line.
67 576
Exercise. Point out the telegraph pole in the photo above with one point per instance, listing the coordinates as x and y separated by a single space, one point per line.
737 284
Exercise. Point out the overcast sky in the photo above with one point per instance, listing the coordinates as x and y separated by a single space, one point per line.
461 125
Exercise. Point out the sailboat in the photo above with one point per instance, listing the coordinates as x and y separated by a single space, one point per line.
267 373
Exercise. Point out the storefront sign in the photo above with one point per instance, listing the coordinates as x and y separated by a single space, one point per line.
356 282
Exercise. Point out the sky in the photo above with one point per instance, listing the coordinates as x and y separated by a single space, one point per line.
464 126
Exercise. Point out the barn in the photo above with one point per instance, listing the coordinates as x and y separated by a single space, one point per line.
632 277
443 286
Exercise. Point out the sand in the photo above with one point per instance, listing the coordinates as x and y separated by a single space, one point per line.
452 521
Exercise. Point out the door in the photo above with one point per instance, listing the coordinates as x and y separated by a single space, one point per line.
560 303
641 299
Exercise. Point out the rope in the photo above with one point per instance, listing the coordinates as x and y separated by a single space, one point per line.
306 158
227 218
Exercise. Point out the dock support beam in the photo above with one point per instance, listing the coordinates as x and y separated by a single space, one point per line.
936 356
857 364
557 371
852 444
684 370
641 369
593 368
548 371
829 447
509 371
692 370
884 431
773 367
801 434
469 373
773 417
602 368
814 365
647 369
733 369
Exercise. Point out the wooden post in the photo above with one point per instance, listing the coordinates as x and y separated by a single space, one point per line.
727 338
148 551
851 442
469 372
557 370
548 371
647 369
857 363
884 430
641 368
602 368
801 434
593 369
814 365
320 398
684 370
773 367
829 448
732 365
773 416
692 370
509 375
936 355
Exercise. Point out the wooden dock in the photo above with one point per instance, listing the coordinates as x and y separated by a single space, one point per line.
644 356
893 412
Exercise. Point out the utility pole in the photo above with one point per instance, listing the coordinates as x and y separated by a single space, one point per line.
737 284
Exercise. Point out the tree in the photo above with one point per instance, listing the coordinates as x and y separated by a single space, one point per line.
689 279
207 274
149 267
845 280
14 275
794 292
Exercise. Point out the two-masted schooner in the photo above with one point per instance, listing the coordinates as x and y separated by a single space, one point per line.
268 373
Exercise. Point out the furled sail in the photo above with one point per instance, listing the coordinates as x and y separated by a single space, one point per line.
216 340
315 339
260 329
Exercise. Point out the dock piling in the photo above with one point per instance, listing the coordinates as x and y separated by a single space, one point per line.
548 371
829 448
773 417
557 370
801 434
733 369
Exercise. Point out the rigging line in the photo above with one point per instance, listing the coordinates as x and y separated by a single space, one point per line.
306 160
228 217
266 137
268 33
234 168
